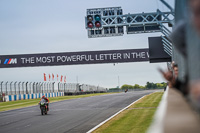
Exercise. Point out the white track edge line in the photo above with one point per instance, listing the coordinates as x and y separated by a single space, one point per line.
94 128
157 125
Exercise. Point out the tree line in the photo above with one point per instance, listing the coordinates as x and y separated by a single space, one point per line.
147 86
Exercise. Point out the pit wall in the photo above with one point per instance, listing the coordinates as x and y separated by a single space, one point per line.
8 98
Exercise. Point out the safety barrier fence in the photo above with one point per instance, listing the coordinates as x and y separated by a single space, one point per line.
16 97
12 91
13 88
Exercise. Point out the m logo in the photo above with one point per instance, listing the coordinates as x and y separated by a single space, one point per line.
11 61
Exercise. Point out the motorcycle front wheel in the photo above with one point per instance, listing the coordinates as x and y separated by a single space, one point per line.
42 110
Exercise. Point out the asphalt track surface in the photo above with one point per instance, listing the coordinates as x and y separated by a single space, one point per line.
69 116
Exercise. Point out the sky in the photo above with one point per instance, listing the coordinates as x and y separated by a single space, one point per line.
54 26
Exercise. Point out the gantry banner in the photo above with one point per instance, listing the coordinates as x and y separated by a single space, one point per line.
74 58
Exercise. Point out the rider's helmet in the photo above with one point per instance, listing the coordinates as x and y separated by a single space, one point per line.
43 96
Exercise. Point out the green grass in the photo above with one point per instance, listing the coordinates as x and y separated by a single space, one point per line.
4 106
135 119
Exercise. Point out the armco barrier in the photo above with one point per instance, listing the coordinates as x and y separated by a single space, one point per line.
31 96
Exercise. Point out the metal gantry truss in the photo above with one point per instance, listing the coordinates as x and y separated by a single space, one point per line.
145 23
113 22
134 23
137 19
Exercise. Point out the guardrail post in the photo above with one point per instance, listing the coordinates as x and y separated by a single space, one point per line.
11 87
42 87
6 88
1 88
19 87
53 87
45 88
58 86
49 87
30 90
36 86
39 87
33 87
15 87
23 87
26 87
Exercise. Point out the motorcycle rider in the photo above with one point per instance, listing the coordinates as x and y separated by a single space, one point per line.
47 101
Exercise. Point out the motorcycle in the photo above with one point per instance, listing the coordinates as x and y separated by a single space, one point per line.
43 107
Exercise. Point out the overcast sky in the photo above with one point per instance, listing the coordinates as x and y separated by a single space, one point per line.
53 26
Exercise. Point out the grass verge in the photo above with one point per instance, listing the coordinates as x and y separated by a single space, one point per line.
136 119
4 106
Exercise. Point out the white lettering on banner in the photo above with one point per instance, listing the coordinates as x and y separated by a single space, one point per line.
113 56
64 58
28 60
127 55
142 54
60 58
47 59
88 57
101 57
77 58
119 56
138 55
96 57
74 58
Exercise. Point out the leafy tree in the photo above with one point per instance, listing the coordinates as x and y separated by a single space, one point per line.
136 86
147 86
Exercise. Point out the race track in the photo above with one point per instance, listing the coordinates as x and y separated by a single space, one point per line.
69 116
